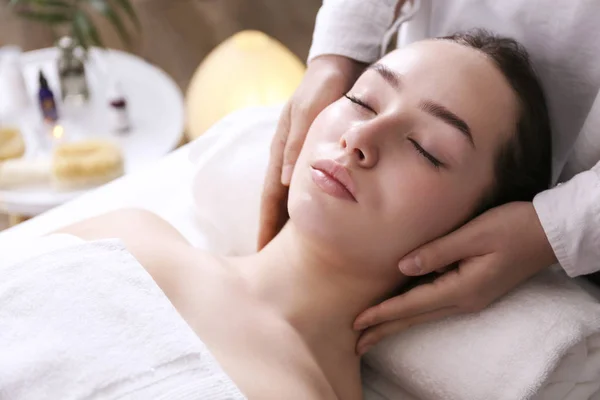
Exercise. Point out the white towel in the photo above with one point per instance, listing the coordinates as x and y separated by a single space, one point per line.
85 321
542 341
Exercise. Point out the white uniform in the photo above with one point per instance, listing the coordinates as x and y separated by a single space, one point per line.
562 39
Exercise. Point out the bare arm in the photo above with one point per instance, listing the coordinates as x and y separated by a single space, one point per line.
157 245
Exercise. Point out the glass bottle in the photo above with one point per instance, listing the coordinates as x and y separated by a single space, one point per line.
118 112
71 72
14 99
46 99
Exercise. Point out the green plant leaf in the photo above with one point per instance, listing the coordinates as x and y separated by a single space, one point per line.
48 11
126 5
77 33
85 31
47 17
105 8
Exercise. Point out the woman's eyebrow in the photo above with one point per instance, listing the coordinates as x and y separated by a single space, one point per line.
441 112
394 79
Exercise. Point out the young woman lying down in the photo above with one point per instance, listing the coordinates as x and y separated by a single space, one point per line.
428 137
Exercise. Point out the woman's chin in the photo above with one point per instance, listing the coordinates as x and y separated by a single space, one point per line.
312 221
325 223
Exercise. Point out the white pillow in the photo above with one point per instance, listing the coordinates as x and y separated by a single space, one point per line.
542 340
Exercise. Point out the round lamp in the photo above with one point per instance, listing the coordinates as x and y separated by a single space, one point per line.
248 69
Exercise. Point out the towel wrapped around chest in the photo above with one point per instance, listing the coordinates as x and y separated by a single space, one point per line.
84 320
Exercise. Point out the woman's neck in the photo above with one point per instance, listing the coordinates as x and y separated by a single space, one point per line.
316 290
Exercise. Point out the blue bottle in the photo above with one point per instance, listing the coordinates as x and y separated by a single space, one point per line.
46 99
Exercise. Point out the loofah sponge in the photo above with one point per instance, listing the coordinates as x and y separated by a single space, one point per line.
11 144
86 163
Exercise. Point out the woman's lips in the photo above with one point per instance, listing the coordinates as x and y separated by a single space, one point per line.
333 178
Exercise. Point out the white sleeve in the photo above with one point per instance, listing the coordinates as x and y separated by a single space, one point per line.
570 216
352 28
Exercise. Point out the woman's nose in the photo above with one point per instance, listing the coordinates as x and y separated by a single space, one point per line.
360 149
366 143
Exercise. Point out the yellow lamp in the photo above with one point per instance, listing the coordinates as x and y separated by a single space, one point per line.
248 69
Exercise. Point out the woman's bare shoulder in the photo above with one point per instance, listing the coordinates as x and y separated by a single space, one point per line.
155 243
128 224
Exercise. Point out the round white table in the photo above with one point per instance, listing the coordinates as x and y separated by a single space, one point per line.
155 107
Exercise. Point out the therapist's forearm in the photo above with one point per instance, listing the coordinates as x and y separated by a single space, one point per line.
353 28
570 217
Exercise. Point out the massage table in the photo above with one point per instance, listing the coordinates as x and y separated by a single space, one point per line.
164 188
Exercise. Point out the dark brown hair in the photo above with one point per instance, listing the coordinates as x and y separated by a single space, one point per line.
523 164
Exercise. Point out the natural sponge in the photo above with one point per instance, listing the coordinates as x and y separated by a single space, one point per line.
86 163
12 144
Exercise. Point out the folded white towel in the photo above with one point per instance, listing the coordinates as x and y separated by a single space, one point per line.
542 341
85 321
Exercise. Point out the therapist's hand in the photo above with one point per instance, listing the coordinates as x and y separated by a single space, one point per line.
327 78
495 252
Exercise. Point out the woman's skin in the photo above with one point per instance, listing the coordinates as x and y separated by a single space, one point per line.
280 322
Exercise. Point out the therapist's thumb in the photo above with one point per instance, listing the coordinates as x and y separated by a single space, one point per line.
441 253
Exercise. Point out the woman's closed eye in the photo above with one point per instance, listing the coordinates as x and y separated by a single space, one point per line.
434 161
359 102
430 158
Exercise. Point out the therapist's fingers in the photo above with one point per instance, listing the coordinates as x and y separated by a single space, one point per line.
375 334
326 80
273 206
300 121
280 139
467 241
280 142
444 292
273 213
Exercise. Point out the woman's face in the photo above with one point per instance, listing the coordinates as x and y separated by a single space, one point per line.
407 156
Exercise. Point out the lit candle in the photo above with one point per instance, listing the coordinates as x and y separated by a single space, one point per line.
58 132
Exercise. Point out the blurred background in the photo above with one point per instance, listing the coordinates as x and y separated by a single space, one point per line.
180 65
177 34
